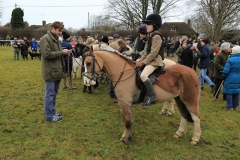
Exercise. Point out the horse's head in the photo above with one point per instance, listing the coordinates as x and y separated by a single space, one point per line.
93 65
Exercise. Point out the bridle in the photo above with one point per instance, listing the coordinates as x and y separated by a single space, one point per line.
95 75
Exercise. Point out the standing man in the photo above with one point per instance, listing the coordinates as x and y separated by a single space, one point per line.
53 68
16 48
205 56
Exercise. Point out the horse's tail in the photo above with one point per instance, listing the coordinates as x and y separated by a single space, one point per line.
183 109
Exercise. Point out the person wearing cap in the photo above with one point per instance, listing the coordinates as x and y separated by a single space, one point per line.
129 41
219 63
114 43
151 59
53 69
205 59
140 45
231 77
65 44
110 39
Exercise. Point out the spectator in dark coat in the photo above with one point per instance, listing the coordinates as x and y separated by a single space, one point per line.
204 63
187 56
24 50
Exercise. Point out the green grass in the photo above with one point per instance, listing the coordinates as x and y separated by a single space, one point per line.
92 125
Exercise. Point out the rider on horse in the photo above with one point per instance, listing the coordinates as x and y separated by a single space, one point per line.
152 58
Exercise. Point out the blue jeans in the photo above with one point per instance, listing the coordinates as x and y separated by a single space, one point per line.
50 98
203 75
232 100
111 91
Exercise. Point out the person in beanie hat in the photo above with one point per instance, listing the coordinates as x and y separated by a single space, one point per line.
205 62
105 39
140 45
65 44
65 35
151 59
231 77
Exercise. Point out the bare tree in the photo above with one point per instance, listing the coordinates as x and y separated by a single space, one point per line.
103 23
217 17
132 12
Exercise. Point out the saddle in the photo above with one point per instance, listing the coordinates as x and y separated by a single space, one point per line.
153 78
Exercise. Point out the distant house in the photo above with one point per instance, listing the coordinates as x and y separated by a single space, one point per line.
178 29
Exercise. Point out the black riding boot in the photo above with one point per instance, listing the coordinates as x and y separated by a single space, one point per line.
84 88
151 97
90 90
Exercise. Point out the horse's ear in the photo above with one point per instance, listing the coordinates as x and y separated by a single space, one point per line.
91 50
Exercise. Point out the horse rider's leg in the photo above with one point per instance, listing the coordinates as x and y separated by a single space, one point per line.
197 129
182 128
127 112
148 84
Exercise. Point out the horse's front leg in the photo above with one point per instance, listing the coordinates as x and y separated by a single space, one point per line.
127 112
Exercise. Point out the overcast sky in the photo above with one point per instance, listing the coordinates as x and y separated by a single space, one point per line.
74 13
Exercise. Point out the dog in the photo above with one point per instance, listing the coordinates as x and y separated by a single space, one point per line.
35 55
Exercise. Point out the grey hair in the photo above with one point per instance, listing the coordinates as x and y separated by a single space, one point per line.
225 46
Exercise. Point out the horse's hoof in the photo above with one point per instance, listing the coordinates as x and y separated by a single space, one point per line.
194 142
126 141
176 136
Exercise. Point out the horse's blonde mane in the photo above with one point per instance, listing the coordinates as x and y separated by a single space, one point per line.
113 51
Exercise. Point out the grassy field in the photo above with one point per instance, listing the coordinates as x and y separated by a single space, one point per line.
92 125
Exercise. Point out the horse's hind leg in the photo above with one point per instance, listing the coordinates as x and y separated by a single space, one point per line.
197 129
182 128
127 119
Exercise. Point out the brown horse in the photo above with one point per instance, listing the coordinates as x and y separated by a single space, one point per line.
179 82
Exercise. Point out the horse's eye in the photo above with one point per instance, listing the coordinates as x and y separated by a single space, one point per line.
88 63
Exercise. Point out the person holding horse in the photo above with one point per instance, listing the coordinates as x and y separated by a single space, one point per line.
65 44
53 69
151 58
140 45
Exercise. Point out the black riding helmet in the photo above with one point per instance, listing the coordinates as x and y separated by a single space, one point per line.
154 19
142 29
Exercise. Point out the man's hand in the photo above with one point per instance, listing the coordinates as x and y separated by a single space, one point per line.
67 52
139 64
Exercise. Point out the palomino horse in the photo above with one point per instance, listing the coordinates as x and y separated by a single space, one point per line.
179 82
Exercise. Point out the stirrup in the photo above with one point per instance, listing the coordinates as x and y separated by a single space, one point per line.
148 101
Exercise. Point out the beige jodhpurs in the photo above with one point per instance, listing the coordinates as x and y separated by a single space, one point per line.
146 72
